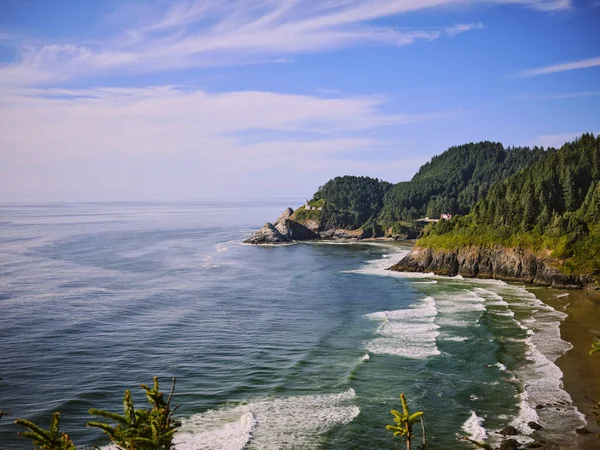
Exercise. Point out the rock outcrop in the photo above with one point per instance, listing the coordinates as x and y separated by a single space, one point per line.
284 230
508 264
287 229
268 234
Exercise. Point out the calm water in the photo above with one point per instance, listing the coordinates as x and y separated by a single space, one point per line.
298 346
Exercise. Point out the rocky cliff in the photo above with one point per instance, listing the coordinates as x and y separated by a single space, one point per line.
508 264
287 229
284 230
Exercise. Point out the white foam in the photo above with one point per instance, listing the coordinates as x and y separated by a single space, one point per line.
409 332
271 423
366 357
473 427
562 295
379 266
455 338
499 365
539 378
219 430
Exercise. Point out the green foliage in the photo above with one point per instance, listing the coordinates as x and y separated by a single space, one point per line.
136 429
455 180
404 422
141 429
595 347
350 202
450 183
552 206
302 215
51 439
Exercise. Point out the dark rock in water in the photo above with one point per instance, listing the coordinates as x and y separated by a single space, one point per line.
582 430
534 426
509 264
509 431
534 445
539 406
509 444
268 234
284 230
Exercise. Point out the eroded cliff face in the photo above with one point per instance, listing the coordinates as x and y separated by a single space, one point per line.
508 264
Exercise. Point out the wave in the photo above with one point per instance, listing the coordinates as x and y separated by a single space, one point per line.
379 266
542 398
473 427
271 423
409 332
499 365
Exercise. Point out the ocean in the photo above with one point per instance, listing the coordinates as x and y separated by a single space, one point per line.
294 346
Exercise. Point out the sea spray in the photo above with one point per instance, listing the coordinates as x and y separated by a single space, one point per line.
407 332
473 428
271 423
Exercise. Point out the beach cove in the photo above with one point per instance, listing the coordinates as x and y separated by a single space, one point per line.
274 346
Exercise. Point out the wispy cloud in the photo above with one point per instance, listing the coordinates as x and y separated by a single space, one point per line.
230 138
164 36
461 28
574 65
556 140
557 96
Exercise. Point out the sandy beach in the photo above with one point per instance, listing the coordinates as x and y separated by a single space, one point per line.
581 370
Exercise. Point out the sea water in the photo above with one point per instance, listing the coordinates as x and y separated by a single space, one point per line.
296 346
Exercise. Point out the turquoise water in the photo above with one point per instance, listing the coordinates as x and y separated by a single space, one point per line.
296 346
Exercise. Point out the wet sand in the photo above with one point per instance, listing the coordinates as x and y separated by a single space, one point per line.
581 370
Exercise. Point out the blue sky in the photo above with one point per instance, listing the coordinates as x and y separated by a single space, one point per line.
164 100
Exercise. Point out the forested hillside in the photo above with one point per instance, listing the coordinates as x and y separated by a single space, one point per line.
351 202
455 180
450 183
552 207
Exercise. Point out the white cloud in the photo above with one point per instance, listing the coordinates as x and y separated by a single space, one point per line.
556 140
461 28
57 141
165 36
574 65
557 96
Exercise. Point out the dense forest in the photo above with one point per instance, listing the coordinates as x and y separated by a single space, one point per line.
450 183
455 180
552 206
351 202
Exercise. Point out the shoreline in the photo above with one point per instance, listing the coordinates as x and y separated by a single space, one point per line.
581 371
581 327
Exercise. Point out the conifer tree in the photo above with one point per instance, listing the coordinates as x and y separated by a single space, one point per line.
404 423
141 429
51 439
136 429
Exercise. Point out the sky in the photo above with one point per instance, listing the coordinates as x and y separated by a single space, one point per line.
215 99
